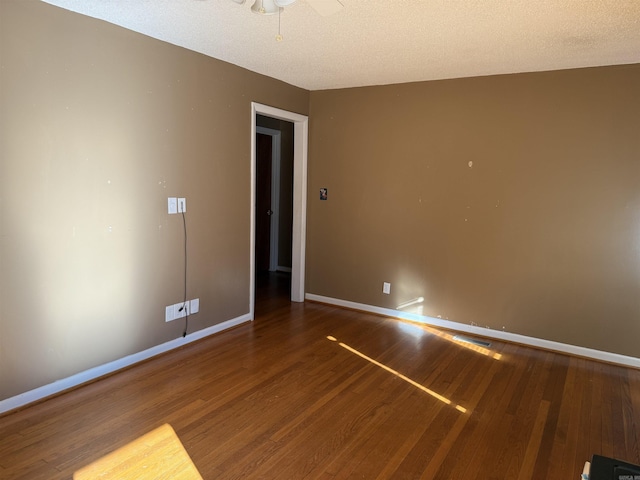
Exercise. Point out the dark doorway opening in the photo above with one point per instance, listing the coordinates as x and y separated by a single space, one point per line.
274 209
264 193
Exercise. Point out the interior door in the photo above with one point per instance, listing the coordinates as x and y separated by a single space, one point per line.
263 202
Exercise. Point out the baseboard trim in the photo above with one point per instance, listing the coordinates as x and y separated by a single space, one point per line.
59 386
485 332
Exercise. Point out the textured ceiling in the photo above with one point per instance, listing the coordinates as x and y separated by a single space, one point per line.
375 42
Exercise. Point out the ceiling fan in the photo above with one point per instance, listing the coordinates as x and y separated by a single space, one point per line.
271 7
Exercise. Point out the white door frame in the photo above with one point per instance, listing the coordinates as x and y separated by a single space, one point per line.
300 147
276 142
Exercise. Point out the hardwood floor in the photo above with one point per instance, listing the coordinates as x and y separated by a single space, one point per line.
278 399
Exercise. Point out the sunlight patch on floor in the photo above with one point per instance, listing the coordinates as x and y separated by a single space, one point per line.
399 375
451 338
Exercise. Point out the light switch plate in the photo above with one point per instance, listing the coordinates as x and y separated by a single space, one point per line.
173 205
386 288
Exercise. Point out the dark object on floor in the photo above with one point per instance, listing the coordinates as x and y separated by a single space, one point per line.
603 468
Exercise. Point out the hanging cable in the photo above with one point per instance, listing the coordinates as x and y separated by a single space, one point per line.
184 297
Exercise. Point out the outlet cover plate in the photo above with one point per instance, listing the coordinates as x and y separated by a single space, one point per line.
195 306
179 312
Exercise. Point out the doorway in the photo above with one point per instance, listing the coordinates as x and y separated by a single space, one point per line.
298 231
274 194
266 209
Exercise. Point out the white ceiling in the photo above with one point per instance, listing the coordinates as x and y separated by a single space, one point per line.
375 42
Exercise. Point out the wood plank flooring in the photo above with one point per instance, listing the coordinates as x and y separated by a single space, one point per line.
278 399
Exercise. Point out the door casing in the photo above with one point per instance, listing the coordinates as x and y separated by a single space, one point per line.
300 156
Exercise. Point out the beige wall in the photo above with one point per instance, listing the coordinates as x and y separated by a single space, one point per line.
540 236
98 126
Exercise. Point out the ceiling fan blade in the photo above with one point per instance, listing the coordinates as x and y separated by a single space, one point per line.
326 7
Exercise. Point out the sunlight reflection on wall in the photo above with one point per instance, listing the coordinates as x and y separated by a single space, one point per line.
411 289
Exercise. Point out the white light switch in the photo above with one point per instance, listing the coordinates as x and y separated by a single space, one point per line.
173 205
386 288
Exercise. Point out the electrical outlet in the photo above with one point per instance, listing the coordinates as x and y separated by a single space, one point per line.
386 288
194 306
182 205
168 314
181 310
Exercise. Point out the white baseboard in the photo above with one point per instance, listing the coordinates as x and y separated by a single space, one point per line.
99 371
485 332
